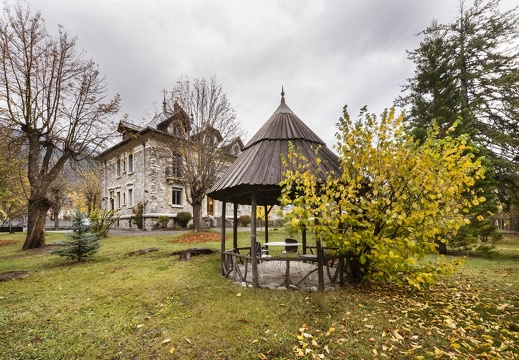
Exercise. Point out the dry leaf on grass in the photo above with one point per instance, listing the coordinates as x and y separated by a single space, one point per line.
200 237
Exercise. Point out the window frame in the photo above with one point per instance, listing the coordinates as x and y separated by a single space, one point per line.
177 194
130 163
130 197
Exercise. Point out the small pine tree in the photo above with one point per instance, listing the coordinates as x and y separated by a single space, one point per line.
83 243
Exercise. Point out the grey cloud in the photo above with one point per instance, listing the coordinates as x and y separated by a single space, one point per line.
326 53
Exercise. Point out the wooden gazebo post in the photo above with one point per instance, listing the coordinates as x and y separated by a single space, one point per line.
303 233
266 224
235 227
222 240
254 261
320 263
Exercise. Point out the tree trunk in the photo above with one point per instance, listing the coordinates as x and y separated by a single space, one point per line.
442 247
197 216
55 213
36 223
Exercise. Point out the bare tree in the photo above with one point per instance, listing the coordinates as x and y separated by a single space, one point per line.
59 195
213 126
56 98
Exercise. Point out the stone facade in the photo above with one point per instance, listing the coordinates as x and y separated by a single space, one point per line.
140 171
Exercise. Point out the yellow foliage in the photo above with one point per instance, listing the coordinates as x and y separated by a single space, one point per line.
393 199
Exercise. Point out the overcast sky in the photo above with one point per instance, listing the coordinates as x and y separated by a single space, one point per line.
326 53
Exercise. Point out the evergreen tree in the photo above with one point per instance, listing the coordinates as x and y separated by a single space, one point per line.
433 95
83 243
485 46
467 71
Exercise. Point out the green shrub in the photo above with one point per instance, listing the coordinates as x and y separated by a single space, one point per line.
163 221
183 218
138 212
244 220
102 220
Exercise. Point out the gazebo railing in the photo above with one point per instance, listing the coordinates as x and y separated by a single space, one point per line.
333 263
230 263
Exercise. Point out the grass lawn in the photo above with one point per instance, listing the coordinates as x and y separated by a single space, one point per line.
153 306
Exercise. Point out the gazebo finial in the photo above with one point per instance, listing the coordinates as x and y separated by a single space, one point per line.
282 95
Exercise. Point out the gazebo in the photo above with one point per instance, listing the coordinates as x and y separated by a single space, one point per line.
254 178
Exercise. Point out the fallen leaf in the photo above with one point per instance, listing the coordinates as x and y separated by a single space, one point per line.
502 306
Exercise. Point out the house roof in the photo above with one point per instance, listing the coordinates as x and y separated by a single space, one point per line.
159 119
235 140
138 136
210 131
259 167
165 117
128 126
156 127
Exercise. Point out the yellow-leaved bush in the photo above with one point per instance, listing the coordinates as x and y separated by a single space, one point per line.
394 201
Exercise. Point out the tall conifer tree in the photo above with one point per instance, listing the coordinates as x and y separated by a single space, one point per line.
470 67
467 71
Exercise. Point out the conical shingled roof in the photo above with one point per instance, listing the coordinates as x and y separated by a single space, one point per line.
259 167
283 125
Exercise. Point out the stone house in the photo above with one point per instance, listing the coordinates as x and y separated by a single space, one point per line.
143 170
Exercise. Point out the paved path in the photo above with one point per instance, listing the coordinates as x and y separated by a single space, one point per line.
136 232
123 232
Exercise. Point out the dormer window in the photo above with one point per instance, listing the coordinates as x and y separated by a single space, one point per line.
176 130
209 140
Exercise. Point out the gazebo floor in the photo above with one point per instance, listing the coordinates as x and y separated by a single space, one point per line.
272 275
